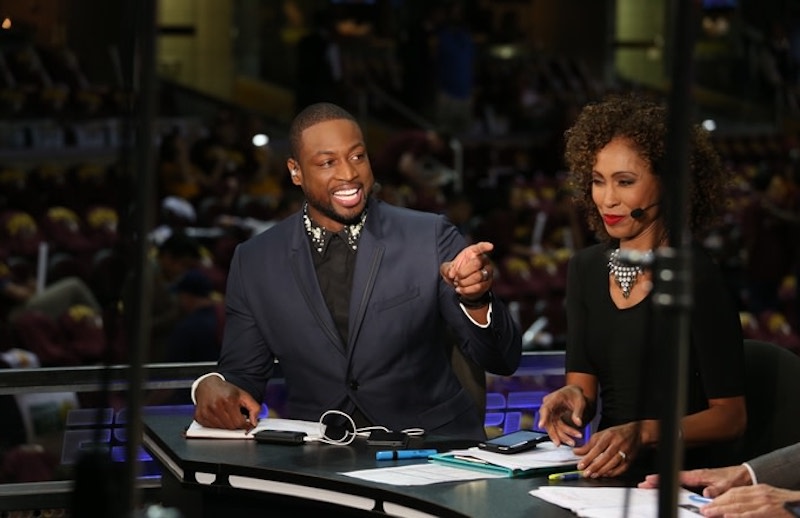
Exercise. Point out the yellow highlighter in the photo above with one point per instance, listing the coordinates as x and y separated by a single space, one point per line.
569 475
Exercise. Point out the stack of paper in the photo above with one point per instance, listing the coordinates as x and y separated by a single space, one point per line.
613 502
545 458
313 429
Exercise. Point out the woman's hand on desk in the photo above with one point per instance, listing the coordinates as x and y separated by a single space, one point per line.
609 452
561 415
220 405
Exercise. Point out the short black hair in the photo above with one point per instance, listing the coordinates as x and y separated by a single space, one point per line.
311 115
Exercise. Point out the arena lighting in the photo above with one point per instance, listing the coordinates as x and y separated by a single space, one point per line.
709 125
260 140
504 51
6 23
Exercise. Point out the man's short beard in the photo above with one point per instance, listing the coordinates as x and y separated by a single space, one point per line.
332 214
328 211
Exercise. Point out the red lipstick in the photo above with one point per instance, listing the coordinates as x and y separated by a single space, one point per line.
612 219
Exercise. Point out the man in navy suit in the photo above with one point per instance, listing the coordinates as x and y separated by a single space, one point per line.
356 298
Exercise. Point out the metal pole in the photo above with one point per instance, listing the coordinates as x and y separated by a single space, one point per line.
145 103
672 296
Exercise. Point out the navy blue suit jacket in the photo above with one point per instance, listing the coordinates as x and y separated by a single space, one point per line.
395 367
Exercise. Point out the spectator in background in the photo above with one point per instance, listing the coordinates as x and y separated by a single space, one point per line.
177 214
319 66
460 211
455 64
767 242
197 335
218 155
177 255
415 53
510 222
61 324
177 174
172 258
416 159
20 294
241 228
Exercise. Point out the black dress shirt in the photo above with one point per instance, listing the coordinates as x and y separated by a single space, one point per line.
334 256
335 274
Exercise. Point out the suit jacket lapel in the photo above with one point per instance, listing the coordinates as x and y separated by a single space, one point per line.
368 261
306 277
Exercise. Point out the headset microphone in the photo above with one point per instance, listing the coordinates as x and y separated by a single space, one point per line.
639 213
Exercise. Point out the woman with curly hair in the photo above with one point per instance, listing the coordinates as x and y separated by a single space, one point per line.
616 156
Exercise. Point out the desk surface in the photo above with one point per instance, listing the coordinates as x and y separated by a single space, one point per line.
312 471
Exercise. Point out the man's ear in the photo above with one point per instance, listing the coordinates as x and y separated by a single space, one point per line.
294 169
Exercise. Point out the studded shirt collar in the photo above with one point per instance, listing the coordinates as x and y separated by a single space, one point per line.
320 236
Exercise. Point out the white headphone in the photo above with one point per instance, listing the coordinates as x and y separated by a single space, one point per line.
294 172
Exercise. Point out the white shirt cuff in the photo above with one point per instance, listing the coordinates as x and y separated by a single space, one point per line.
196 382
752 473
488 316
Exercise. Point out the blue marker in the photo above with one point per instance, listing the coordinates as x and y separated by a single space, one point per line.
700 499
404 454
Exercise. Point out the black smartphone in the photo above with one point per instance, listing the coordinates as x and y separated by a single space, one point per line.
384 438
793 507
280 437
514 442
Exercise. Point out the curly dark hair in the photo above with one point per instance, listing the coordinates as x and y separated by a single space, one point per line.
643 122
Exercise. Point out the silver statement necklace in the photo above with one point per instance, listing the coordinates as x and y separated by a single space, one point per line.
623 274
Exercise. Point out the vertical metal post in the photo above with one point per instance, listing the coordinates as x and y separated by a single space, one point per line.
672 295
145 109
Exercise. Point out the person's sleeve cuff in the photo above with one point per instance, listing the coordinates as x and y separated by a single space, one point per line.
752 473
484 326
196 382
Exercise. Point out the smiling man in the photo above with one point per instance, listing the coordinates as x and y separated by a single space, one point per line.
355 298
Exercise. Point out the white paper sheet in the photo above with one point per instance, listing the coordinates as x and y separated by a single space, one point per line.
311 428
545 455
613 502
418 474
